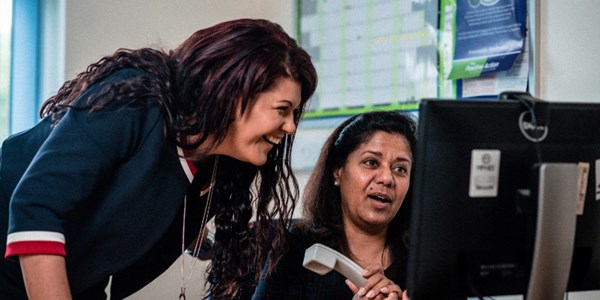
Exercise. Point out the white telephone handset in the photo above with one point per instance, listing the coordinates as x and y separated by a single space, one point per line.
322 260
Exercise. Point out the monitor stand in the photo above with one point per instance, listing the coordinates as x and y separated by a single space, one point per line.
555 230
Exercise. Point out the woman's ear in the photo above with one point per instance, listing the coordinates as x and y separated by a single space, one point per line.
336 177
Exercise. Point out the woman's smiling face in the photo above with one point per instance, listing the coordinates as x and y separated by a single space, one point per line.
374 181
263 125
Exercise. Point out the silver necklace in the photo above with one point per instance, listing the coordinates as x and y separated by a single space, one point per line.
200 238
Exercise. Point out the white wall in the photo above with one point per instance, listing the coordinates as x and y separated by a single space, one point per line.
569 47
95 28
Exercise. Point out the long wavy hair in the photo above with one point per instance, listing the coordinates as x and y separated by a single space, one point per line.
199 85
322 202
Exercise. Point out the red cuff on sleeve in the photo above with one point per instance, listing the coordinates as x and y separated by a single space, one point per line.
35 247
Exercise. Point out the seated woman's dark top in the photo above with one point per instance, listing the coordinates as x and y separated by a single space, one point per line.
290 280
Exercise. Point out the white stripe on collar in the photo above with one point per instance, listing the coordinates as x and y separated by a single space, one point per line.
185 164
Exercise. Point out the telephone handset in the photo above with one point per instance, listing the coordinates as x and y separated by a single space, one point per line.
322 260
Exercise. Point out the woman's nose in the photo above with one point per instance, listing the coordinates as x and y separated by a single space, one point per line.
385 177
289 126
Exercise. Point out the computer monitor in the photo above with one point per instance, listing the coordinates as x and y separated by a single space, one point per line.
478 198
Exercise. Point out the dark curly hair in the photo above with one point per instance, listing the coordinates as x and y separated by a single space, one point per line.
199 85
322 208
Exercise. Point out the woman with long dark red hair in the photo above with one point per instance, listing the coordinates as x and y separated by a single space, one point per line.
137 152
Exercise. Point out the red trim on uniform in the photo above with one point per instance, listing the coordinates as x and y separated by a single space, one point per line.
192 166
190 163
205 187
193 169
35 247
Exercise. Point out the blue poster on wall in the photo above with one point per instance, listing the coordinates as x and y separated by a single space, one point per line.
481 36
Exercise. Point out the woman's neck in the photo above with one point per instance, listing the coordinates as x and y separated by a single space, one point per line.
205 149
367 249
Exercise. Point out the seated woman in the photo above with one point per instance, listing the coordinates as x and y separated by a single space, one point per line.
355 202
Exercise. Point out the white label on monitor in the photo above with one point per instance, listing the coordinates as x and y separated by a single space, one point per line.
582 179
598 179
485 172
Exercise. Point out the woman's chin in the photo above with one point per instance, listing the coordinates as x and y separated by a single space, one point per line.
259 163
257 160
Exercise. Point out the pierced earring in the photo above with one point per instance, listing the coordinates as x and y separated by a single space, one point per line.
336 183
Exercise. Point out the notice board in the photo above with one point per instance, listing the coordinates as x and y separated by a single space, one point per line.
370 54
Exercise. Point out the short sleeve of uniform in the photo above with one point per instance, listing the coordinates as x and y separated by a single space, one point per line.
72 166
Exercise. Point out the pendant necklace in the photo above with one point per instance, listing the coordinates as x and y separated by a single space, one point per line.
200 238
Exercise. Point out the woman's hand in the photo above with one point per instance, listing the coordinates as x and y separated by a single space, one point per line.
377 287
